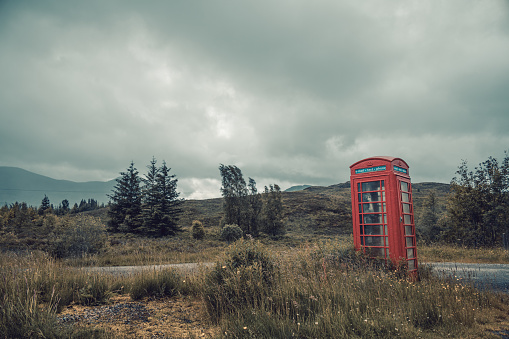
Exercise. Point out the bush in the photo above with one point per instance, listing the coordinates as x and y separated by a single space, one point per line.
166 283
231 233
197 230
79 235
242 278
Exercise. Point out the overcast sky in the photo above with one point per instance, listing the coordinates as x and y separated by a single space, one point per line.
290 91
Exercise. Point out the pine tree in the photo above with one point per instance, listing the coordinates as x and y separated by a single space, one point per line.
45 205
151 197
168 208
125 207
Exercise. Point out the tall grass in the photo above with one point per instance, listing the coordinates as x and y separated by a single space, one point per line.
328 291
126 251
34 287
440 252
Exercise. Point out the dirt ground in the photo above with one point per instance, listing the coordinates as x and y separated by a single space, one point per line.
162 318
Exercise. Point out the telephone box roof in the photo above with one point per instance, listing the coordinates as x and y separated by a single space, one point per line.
386 158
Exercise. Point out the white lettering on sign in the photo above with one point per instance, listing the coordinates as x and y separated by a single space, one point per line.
370 169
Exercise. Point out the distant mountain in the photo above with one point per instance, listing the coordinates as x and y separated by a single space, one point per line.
19 185
297 188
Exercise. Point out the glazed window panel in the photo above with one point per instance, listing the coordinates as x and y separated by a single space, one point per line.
405 197
373 218
409 241
406 208
374 241
372 208
371 186
372 196
410 253
411 265
404 186
373 230
409 230
407 219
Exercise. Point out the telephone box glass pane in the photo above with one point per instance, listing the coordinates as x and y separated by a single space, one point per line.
370 186
373 230
409 241
385 229
408 219
374 241
358 187
387 241
406 208
411 265
372 208
373 196
372 218
383 185
376 252
408 230
410 253
405 197
404 186
361 229
387 253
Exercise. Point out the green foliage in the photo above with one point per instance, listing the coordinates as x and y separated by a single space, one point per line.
245 207
429 229
151 209
328 291
125 207
198 231
273 211
243 276
478 208
166 283
78 236
231 233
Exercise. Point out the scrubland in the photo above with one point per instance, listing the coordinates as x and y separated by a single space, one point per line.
255 289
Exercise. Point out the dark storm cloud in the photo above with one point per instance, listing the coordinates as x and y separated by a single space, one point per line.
292 92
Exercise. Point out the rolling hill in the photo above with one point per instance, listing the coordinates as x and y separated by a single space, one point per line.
19 185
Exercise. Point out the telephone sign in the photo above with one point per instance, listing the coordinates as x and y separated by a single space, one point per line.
382 210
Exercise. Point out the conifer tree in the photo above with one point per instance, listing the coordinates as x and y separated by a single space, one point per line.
125 208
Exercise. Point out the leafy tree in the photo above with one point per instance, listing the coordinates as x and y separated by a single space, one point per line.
234 192
125 206
273 211
255 205
478 208
428 222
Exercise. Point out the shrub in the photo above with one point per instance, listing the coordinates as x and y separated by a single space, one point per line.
79 235
231 233
165 283
243 277
197 230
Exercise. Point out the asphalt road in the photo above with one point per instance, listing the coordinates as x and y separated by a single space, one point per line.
490 276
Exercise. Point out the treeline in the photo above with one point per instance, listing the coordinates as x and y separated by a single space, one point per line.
148 205
477 211
26 227
64 207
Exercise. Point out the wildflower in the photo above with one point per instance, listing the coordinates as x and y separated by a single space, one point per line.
245 327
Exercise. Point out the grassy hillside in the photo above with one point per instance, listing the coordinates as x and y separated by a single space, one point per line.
316 210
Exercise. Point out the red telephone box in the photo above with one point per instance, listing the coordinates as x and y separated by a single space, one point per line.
382 209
